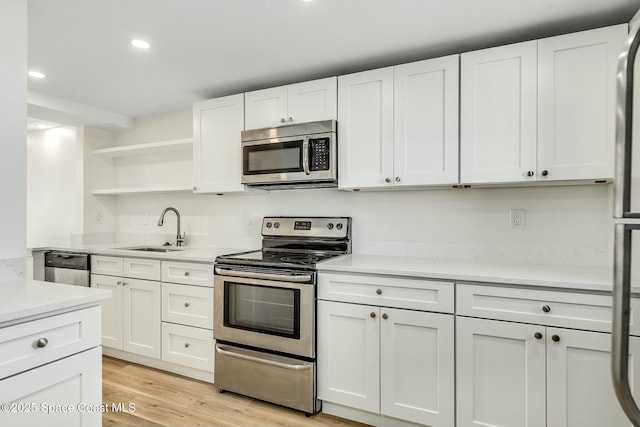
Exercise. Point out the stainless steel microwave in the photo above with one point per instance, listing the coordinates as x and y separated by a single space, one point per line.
295 156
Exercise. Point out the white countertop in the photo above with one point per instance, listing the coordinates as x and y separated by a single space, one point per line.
183 253
589 278
23 300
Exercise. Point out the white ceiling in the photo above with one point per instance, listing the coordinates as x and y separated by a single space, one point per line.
207 48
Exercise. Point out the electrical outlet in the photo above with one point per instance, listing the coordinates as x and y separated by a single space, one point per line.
517 219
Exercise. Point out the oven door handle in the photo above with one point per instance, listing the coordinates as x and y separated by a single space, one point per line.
265 276
302 367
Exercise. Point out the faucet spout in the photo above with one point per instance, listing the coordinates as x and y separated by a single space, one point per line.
179 237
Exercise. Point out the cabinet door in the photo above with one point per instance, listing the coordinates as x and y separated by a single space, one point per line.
142 317
365 129
348 355
498 114
217 124
266 108
426 122
74 383
500 368
579 390
112 310
313 101
576 103
417 366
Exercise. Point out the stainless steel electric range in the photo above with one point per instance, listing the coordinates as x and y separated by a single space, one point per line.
265 310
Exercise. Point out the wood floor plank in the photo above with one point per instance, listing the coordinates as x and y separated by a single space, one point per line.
163 399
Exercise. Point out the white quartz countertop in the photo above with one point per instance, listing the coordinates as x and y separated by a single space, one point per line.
22 300
184 253
590 278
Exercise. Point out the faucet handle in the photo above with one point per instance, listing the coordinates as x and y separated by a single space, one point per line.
180 239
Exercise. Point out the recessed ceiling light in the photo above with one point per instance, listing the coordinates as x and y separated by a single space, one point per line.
37 74
140 44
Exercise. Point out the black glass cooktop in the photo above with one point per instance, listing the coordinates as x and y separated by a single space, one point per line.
273 258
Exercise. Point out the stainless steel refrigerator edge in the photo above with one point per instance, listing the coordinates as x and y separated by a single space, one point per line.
622 263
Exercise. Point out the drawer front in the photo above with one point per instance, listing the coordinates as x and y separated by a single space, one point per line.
388 291
188 273
140 268
108 265
187 346
549 308
187 305
59 336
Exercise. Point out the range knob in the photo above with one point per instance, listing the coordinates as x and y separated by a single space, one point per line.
268 224
330 226
339 226
276 225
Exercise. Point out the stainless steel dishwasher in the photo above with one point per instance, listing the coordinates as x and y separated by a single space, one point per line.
67 267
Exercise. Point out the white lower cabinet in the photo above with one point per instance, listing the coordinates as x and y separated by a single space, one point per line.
131 317
51 371
387 362
531 375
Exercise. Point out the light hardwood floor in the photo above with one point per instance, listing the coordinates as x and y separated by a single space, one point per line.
165 399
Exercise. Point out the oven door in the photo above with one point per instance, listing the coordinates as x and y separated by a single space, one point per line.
267 314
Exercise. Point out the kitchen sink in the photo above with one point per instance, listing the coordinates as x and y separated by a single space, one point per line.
151 248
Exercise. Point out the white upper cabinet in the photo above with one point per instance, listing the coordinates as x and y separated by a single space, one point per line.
365 128
540 110
398 126
425 127
576 103
297 103
498 114
217 124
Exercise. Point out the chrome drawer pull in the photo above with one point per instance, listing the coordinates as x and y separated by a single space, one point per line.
42 343
186 273
187 345
186 304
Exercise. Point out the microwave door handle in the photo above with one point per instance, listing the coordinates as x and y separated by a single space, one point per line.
305 156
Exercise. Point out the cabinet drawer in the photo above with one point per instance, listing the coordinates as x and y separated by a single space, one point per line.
108 265
188 273
549 308
187 305
141 268
187 346
60 335
388 291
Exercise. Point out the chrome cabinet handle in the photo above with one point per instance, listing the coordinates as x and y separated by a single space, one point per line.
42 343
530 173
545 172
387 180
538 335
384 316
290 119
119 282
379 291
186 304
397 179
555 338
282 120
373 315
546 308
187 345
186 273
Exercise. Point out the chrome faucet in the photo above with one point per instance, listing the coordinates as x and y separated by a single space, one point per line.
179 237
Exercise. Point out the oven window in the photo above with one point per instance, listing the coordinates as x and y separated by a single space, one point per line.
273 158
264 309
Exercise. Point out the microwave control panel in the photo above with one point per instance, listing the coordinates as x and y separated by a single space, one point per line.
319 154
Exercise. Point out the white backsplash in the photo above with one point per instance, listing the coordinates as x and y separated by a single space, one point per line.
564 224
12 269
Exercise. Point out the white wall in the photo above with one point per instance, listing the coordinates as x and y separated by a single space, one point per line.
13 113
564 224
54 183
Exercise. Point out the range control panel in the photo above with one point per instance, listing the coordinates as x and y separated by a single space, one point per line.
335 227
